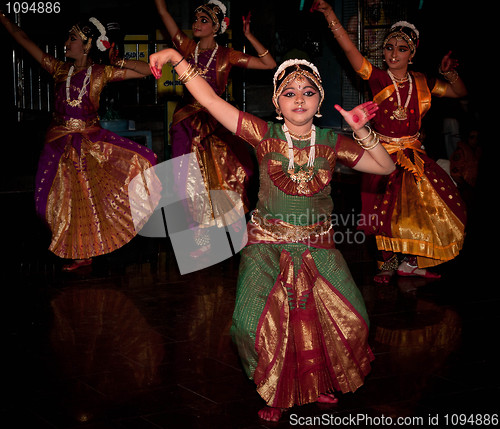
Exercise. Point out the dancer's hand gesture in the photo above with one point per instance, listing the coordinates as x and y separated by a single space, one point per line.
360 115
448 64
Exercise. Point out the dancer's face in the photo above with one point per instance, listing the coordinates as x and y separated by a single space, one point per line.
397 53
299 101
74 47
203 26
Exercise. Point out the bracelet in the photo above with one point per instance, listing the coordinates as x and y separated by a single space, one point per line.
190 73
263 53
451 76
358 139
121 63
334 22
176 64
375 140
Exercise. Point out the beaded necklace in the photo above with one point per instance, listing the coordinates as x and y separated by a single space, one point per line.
86 81
205 68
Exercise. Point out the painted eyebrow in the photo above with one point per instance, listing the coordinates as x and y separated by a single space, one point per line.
202 15
396 46
295 89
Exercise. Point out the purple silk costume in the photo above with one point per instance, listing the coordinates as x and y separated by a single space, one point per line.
84 170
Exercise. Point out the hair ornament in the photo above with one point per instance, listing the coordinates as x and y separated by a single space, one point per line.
405 24
285 64
406 31
221 5
217 12
102 41
300 69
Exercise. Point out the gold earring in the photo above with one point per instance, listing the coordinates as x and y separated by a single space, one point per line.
278 113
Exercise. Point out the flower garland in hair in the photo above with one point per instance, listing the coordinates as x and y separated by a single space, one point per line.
406 24
220 4
225 22
102 41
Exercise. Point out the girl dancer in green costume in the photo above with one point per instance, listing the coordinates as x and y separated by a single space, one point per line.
300 323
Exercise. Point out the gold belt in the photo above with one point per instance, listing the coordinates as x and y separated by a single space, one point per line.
283 231
399 145
76 124
402 142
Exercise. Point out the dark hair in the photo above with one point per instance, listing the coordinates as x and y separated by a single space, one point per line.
215 14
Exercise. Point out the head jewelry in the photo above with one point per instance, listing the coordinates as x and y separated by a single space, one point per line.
296 69
217 13
405 31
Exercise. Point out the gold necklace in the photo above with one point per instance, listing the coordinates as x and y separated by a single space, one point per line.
299 137
401 112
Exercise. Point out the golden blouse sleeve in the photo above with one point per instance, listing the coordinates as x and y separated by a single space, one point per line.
439 88
348 151
183 43
366 69
238 58
113 73
57 68
251 129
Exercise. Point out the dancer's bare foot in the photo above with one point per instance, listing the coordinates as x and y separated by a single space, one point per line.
271 414
327 398
408 270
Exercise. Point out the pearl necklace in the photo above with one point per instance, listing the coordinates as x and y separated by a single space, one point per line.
312 151
401 112
196 50
303 175
86 81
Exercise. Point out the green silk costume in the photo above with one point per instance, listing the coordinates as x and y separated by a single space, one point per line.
300 323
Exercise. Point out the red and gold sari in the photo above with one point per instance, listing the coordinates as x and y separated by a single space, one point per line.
417 210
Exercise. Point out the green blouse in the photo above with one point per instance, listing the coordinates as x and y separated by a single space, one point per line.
299 202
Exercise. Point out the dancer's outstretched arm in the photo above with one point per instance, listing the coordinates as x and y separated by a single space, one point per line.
22 38
168 20
220 109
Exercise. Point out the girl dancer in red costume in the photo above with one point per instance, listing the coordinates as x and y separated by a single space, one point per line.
416 212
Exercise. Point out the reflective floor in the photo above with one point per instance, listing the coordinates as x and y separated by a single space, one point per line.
130 343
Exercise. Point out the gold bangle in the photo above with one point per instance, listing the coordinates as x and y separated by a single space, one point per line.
264 53
451 76
360 139
371 146
189 68
333 22
190 73
374 140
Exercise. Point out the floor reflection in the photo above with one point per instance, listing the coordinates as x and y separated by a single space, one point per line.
130 343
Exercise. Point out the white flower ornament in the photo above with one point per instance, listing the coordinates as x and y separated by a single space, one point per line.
102 42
